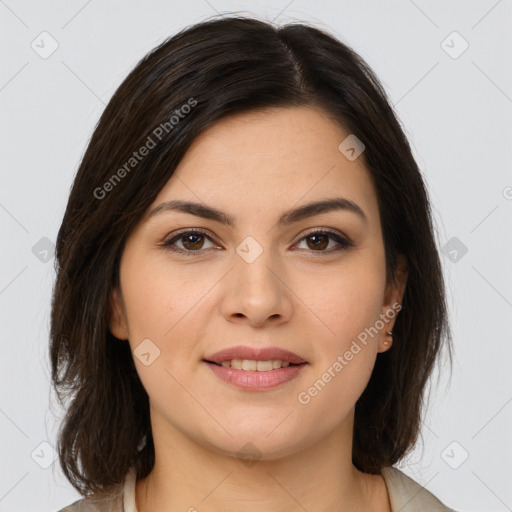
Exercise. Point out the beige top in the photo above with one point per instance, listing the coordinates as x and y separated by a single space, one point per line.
405 495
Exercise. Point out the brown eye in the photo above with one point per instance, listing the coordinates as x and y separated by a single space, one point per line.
192 242
318 241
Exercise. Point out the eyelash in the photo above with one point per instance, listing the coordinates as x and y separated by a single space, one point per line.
344 243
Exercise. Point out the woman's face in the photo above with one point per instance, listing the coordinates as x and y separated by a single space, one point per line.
262 281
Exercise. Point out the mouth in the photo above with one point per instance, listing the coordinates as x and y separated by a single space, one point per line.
252 375
254 365
255 368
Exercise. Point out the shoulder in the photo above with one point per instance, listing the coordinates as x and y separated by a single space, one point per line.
113 504
120 500
79 506
407 495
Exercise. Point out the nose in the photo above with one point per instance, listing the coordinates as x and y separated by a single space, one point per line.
256 290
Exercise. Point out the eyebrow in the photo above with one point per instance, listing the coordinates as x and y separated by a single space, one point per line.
287 218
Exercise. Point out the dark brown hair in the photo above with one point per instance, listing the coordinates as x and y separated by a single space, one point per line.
222 67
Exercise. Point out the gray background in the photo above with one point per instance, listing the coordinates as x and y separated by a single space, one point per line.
456 109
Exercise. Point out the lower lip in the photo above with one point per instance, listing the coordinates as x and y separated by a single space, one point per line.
254 380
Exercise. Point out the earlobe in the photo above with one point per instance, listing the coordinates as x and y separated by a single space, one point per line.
117 321
387 342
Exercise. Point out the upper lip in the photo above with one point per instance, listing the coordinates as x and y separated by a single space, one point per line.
255 354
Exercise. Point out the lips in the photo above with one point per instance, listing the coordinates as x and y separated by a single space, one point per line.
254 354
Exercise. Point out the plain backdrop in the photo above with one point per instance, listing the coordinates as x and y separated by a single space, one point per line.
446 67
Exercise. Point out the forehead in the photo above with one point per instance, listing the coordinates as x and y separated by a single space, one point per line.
271 159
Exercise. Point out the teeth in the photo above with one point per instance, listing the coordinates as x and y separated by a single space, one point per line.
264 366
260 366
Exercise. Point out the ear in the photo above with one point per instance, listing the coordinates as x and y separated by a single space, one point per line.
392 305
117 318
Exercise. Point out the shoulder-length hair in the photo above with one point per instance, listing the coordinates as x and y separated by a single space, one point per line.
217 68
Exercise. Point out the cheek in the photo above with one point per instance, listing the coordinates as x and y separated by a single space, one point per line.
346 301
160 297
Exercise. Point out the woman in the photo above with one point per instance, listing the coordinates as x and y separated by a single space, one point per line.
249 295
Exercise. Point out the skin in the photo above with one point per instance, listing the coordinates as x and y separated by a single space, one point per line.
254 166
